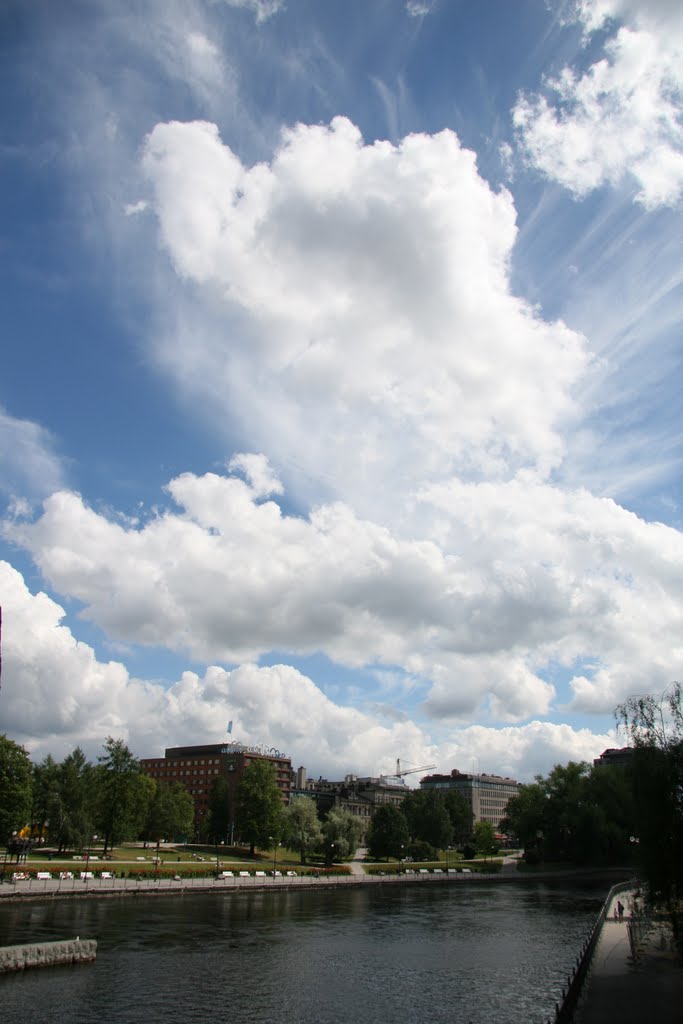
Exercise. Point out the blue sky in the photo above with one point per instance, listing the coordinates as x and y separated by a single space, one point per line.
340 391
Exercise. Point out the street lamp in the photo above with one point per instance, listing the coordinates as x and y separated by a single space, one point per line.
87 858
4 866
400 860
156 861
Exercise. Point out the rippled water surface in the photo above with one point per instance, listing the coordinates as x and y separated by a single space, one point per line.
485 954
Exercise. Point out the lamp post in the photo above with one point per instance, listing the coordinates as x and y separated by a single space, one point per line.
275 846
400 860
87 858
156 862
4 865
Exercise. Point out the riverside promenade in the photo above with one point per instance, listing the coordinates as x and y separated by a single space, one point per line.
630 989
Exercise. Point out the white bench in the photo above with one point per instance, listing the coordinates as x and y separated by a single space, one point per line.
227 874
292 874
64 875
43 876
86 874
259 874
244 874
106 874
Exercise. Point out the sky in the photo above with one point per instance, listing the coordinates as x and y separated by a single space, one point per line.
341 375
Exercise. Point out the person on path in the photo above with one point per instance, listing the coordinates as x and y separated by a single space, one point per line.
620 909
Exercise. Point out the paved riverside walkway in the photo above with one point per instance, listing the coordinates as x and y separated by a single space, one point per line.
624 990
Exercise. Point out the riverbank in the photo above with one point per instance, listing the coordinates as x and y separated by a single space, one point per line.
77 888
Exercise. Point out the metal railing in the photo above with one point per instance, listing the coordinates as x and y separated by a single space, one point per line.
564 1009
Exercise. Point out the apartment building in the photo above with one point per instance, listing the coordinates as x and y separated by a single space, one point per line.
487 795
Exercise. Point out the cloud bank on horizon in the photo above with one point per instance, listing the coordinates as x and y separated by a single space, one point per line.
363 453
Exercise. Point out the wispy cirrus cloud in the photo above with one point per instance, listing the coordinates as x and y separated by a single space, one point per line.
620 119
29 463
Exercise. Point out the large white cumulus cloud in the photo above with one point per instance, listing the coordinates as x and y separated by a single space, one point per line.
507 579
621 117
364 326
57 695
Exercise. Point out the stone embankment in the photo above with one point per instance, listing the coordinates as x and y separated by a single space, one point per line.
47 954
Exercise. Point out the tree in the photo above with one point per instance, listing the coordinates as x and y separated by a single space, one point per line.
341 835
388 835
70 815
259 805
218 818
484 838
428 818
121 794
525 813
170 813
655 727
577 813
45 795
460 813
16 783
301 826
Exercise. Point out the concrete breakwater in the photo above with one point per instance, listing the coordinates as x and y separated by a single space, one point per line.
47 954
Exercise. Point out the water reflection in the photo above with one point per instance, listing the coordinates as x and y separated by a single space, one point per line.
491 953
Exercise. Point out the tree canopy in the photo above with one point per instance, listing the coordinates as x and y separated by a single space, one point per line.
341 835
220 813
428 817
15 787
655 727
122 794
170 812
388 835
576 813
302 828
259 805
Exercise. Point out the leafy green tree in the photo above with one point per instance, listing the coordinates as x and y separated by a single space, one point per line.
170 812
219 815
302 828
484 838
45 794
428 818
388 835
577 813
460 813
259 805
121 794
71 823
525 813
16 785
341 835
655 727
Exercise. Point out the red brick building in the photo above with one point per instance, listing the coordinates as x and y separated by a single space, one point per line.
196 767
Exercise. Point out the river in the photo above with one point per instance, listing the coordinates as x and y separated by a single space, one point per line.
465 954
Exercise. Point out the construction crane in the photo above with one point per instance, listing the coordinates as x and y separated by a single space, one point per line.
400 772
